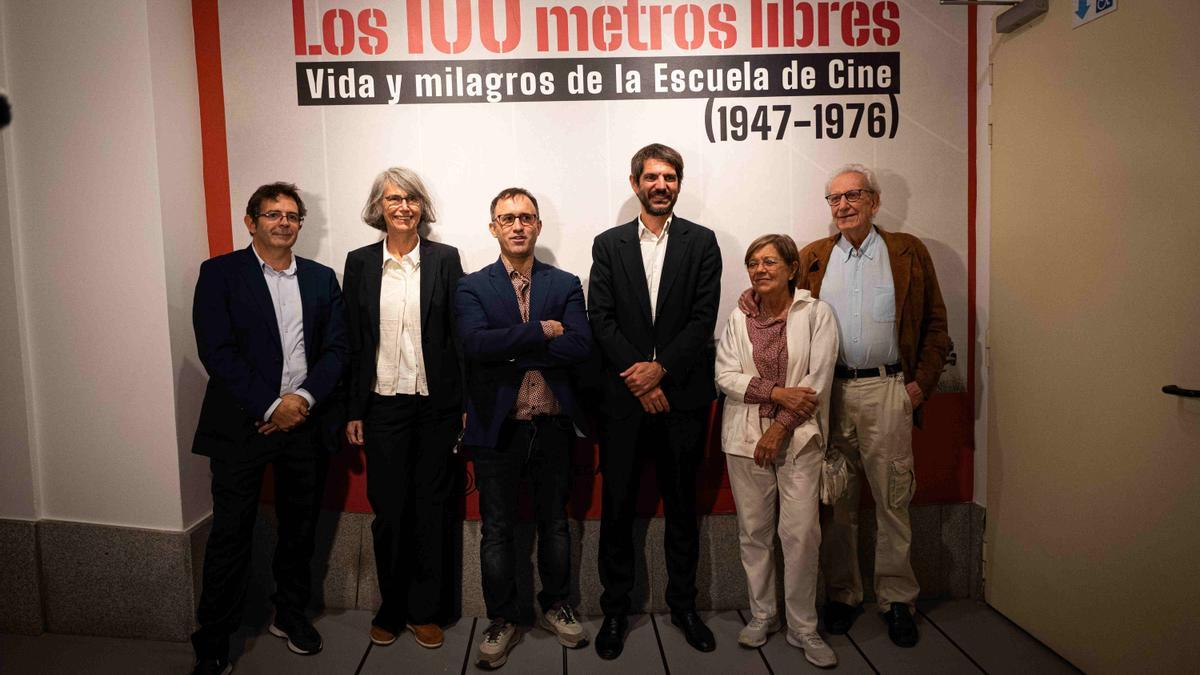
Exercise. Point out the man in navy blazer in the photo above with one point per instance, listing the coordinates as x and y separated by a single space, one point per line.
523 326
270 332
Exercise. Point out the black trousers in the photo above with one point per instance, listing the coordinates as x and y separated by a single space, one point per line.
540 450
299 470
408 447
675 442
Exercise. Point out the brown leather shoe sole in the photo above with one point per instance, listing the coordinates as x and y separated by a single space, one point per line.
428 635
382 636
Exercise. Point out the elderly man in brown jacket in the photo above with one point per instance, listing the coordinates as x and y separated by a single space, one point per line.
892 327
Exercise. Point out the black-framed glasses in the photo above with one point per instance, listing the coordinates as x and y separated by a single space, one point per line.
507 219
276 216
395 201
852 196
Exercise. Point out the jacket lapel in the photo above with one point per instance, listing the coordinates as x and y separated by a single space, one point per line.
900 260
502 287
677 244
372 282
309 292
631 260
429 280
540 281
816 271
253 276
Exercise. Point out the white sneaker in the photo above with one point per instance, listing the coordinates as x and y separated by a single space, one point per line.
561 621
815 650
498 640
758 631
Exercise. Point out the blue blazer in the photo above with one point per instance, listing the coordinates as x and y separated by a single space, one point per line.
499 347
239 344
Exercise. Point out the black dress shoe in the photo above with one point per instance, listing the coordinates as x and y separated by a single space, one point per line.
611 638
901 627
839 617
212 667
698 635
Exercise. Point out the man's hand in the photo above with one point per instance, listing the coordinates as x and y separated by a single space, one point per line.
654 401
915 394
800 400
354 432
552 328
266 428
291 411
770 444
643 376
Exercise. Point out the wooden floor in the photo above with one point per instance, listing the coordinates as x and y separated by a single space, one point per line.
960 636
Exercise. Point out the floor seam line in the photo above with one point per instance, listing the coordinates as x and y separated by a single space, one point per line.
951 640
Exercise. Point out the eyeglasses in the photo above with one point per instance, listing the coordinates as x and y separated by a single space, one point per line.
394 201
276 216
766 263
507 219
852 196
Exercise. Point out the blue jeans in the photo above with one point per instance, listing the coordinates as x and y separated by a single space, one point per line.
540 450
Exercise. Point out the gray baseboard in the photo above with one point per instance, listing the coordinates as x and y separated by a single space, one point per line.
20 582
127 582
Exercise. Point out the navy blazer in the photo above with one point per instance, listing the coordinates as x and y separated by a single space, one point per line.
239 344
681 335
499 347
363 278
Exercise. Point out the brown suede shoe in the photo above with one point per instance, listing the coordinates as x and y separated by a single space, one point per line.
382 636
428 635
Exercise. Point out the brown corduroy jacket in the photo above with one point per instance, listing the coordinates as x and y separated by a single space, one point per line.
920 312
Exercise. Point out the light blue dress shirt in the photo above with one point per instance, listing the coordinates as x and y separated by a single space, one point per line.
858 285
289 315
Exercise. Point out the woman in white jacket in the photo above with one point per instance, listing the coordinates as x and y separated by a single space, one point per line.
775 366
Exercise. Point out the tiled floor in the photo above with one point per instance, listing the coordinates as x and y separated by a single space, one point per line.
960 636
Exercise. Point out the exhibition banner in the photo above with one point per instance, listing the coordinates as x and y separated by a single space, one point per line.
763 98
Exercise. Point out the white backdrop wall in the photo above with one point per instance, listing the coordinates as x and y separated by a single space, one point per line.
103 184
574 154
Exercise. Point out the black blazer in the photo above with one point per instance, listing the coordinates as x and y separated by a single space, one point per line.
501 347
363 277
237 337
681 337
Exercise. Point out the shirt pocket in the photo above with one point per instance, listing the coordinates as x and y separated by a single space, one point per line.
883 308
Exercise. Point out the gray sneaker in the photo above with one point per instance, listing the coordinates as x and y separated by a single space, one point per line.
561 621
498 640
815 650
758 631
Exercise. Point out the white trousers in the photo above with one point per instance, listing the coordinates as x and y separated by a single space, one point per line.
790 487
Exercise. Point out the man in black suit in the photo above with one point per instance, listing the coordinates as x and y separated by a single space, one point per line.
523 326
270 332
653 294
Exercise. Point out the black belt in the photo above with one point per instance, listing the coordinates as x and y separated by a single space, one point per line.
843 373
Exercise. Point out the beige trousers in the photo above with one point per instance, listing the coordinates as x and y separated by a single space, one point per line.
871 424
790 486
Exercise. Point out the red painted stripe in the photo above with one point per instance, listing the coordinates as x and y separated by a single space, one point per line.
972 179
207 30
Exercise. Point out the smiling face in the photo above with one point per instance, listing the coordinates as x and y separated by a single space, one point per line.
275 236
401 212
853 220
518 237
769 272
657 187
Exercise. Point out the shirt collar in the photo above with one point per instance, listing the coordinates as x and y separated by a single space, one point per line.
413 256
868 248
512 270
644 233
288 271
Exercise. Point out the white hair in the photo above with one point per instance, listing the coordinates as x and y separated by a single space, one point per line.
866 173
